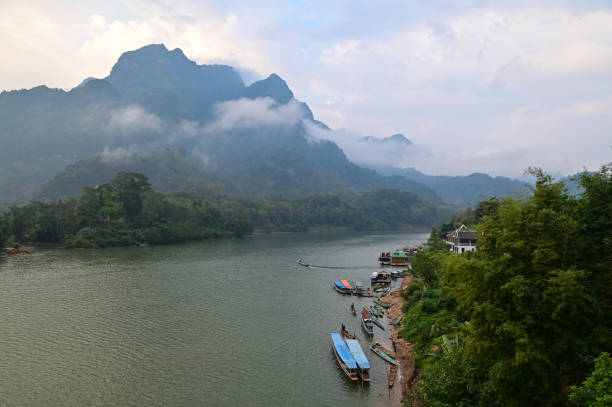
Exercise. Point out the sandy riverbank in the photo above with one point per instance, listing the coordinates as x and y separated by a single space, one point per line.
12 252
404 351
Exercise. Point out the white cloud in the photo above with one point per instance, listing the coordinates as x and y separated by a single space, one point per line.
452 77
251 113
134 118
115 154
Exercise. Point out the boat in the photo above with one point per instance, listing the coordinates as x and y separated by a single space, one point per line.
385 258
353 310
346 333
366 321
376 311
380 277
397 321
362 361
344 357
385 292
343 287
394 273
378 349
382 303
303 263
399 258
391 375
378 323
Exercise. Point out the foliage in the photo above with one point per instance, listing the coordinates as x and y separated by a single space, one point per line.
596 390
534 298
126 211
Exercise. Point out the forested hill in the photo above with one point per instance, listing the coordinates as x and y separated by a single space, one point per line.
127 211
463 191
254 138
526 320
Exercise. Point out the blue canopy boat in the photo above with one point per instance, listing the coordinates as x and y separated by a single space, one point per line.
362 361
343 287
344 356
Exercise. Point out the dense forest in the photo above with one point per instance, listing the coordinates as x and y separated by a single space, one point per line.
527 318
127 211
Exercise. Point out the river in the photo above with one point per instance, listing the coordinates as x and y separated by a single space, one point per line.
216 323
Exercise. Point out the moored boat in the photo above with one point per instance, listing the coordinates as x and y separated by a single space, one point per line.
378 349
366 321
391 375
380 277
346 333
344 357
378 323
385 292
382 303
343 287
385 258
363 363
376 311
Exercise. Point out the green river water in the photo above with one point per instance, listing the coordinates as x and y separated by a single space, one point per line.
217 323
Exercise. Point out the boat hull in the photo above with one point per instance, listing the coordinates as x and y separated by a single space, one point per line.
383 355
352 376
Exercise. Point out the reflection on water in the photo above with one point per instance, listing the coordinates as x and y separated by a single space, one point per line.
228 322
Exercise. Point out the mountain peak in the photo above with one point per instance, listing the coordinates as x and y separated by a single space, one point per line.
273 87
398 138
394 139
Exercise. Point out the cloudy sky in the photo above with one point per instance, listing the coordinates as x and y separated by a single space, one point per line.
477 86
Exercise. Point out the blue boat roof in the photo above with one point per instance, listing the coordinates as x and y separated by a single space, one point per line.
343 351
357 352
339 285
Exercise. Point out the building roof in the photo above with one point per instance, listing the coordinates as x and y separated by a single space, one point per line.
462 232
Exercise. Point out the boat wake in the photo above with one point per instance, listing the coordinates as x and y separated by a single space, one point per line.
340 267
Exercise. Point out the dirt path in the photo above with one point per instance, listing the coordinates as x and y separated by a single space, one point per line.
403 349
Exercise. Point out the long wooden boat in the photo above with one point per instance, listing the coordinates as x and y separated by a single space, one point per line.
376 348
362 361
381 303
376 311
378 323
353 310
343 287
346 333
366 321
386 291
391 375
344 357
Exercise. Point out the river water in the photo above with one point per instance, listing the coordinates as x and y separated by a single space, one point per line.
216 323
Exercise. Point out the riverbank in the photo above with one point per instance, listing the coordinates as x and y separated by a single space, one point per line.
403 350
21 251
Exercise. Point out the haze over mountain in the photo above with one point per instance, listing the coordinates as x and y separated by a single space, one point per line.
256 139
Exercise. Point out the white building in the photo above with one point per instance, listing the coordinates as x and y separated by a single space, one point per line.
462 240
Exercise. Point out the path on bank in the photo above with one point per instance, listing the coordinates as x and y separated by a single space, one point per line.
403 350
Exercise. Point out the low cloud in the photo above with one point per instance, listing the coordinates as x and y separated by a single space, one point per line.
134 119
115 154
251 113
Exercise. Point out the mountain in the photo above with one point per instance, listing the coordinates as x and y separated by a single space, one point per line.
396 139
249 139
461 190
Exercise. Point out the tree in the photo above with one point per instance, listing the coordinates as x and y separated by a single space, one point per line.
130 187
596 390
